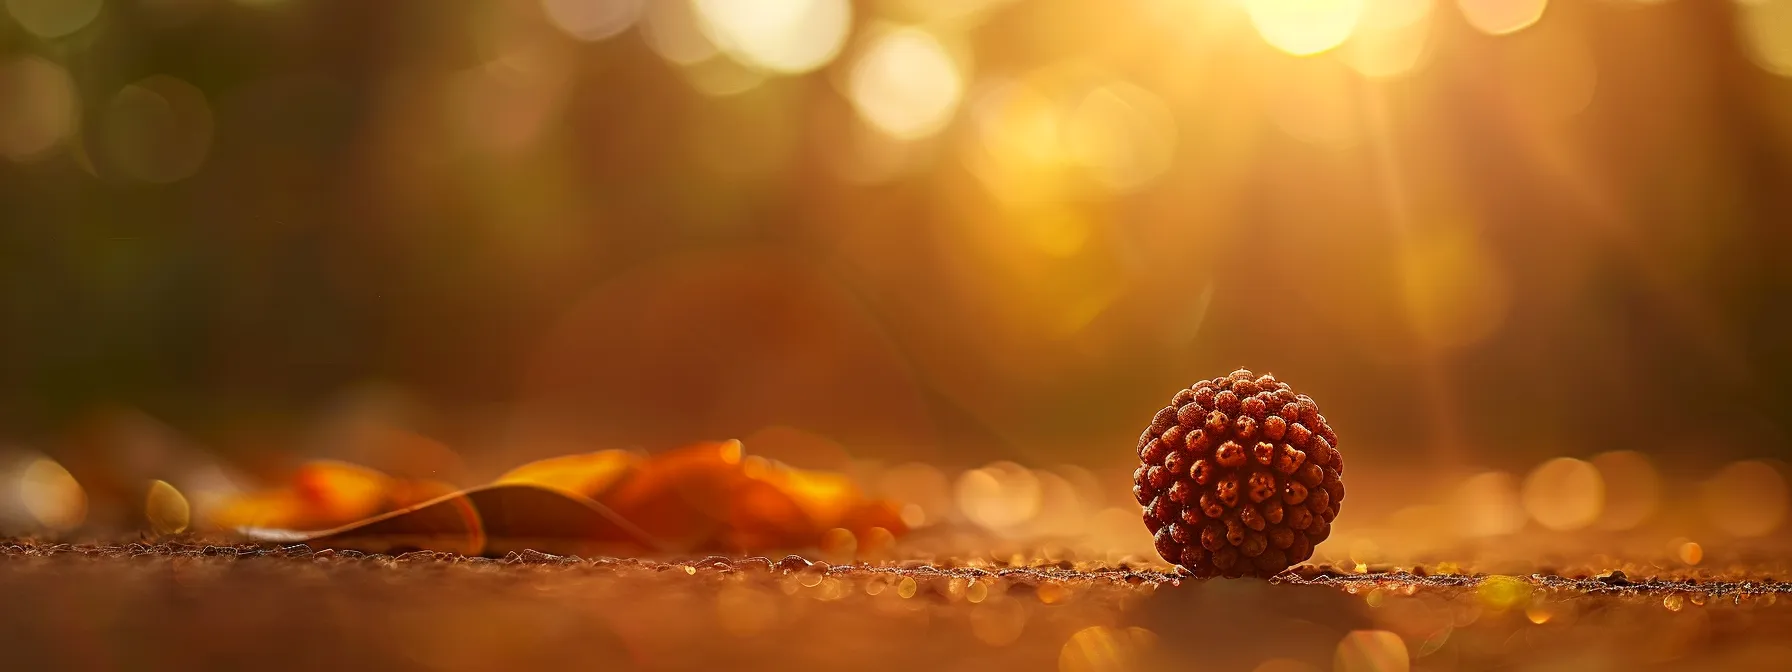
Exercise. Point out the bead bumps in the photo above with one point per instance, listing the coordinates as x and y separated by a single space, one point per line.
1239 476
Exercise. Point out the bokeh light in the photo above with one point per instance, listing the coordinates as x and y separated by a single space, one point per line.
1548 74
671 29
1304 27
1390 39
781 36
1316 101
1000 496
1766 30
1746 498
1104 649
157 130
1062 511
592 20
1371 651
999 621
1122 135
906 84
50 19
1456 294
1488 504
1500 17
502 107
1564 494
1047 139
925 492
51 495
1632 488
40 108
1688 551
1018 148
721 77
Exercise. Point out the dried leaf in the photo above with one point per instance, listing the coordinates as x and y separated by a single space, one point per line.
322 495
700 497
681 497
493 519
166 509
586 474
338 491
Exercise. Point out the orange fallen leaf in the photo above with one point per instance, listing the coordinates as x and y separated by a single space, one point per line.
704 496
489 520
586 474
324 494
681 497
339 490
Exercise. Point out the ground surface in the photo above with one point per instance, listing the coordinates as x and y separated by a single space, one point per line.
189 606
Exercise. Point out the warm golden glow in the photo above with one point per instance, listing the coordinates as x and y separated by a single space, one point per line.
1304 27
1499 17
722 77
166 509
1284 665
1689 552
1104 649
1390 39
1316 101
906 84
999 621
839 545
51 495
1122 135
586 474
1456 294
591 20
41 107
1371 651
1488 505
1564 494
670 28
925 490
745 611
1632 488
999 496
781 36
1746 499
1766 27
158 129
50 19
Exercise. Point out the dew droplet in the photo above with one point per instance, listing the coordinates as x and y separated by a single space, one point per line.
1698 599
1674 602
792 563
839 545
907 588
978 591
166 509
812 575
831 589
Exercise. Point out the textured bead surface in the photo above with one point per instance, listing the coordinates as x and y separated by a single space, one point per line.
1239 476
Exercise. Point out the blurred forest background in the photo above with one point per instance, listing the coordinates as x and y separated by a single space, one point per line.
951 231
